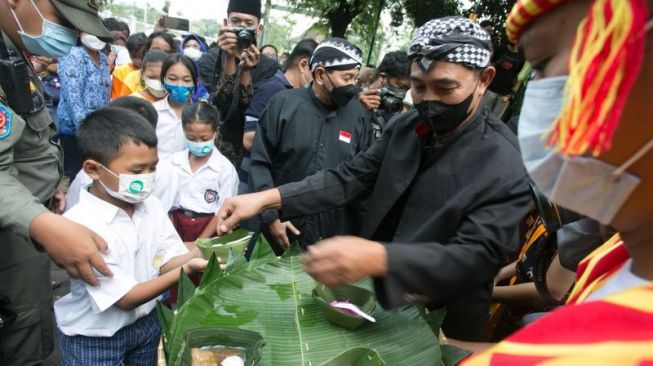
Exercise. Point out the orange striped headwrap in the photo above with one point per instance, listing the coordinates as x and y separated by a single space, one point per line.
604 64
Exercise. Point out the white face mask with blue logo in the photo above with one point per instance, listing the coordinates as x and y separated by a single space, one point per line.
132 188
200 149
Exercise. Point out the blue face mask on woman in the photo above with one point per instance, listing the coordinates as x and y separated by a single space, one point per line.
54 41
179 93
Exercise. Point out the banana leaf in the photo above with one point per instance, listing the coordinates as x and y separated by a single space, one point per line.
273 298
363 298
220 246
356 357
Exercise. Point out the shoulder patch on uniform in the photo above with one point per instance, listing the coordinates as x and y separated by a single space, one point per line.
5 121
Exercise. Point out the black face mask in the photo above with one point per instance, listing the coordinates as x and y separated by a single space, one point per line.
342 95
444 117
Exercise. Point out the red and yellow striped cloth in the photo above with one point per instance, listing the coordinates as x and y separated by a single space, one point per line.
616 330
604 64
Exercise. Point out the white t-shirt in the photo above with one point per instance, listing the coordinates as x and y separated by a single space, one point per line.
205 190
623 280
168 130
166 186
138 247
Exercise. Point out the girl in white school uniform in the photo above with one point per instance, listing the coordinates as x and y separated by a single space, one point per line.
179 78
206 177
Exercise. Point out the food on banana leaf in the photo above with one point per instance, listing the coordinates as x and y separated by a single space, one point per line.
364 301
217 356
348 308
220 246
216 346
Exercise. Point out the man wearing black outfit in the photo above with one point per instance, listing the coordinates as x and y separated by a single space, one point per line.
232 74
305 130
448 189
508 61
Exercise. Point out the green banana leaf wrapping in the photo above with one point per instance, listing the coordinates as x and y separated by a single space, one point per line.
364 299
220 246
273 297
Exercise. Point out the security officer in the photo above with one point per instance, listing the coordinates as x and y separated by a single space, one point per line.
30 169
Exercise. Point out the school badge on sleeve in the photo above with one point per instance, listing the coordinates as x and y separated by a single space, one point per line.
5 121
210 196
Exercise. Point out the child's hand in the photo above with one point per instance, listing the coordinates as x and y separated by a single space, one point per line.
195 265
195 252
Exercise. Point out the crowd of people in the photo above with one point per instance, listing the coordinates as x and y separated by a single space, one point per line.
510 185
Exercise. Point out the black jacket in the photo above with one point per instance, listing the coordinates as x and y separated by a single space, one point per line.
298 136
447 211
231 108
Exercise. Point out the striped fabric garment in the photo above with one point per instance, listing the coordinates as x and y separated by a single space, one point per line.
616 330
133 345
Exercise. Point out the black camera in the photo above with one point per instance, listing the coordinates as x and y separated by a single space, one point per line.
246 36
553 216
391 101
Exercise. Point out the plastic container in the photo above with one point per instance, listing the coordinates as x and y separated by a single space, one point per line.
251 342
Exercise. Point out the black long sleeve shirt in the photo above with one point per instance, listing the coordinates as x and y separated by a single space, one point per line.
448 211
297 136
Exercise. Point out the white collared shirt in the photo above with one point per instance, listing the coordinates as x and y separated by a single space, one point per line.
168 130
138 247
166 185
205 190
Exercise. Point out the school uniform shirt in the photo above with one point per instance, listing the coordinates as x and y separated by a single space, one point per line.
168 130
138 247
297 136
166 185
447 210
205 190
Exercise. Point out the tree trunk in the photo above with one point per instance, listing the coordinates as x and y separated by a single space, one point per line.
341 17
339 26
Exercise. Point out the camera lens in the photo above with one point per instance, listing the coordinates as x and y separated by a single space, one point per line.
391 104
245 38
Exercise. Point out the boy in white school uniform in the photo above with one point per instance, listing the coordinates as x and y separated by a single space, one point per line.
115 323
166 185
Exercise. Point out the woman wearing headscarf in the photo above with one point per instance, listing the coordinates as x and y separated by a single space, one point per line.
194 47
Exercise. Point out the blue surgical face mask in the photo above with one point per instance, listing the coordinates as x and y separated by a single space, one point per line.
179 93
54 41
200 149
542 104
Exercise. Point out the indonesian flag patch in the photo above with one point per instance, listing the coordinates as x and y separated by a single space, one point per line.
345 137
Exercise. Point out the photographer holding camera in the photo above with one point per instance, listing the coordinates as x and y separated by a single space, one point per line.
388 88
234 72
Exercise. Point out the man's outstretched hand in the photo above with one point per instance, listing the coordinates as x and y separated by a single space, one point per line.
344 260
71 246
239 208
